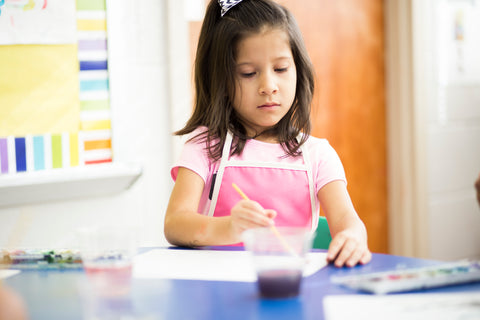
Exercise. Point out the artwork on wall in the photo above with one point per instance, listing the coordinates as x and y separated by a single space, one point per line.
37 22
54 85
458 66
457 37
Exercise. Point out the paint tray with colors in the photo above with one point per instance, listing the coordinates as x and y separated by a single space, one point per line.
413 279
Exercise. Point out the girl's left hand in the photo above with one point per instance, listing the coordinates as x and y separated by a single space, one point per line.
348 249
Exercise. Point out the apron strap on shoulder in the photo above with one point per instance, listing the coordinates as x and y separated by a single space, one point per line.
308 165
221 170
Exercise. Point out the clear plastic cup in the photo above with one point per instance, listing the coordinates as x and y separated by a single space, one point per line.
279 258
107 256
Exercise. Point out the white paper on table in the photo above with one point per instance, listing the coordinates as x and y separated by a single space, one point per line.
207 265
439 306
8 273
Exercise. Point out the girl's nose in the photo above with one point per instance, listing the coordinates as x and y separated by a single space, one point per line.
267 85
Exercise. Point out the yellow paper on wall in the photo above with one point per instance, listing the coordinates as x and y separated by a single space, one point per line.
38 89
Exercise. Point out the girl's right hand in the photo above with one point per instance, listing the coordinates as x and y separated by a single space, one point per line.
247 214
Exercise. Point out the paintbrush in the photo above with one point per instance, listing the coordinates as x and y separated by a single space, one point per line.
285 245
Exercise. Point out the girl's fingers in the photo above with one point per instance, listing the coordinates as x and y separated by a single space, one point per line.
335 247
354 258
249 214
251 205
367 256
258 219
270 213
253 221
345 253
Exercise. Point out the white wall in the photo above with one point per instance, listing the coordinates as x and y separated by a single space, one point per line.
433 143
453 130
140 100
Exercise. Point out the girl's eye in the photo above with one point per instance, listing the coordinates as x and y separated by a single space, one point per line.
248 74
281 69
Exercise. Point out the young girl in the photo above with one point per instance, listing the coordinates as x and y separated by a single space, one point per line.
254 85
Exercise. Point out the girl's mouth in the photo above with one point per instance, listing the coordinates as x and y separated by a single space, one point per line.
269 105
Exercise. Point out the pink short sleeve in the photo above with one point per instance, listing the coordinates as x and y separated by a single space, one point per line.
193 157
327 166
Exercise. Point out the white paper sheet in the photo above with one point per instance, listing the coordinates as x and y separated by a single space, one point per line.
447 306
8 273
206 265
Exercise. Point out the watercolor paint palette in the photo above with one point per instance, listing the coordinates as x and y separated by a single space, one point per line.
413 279
40 259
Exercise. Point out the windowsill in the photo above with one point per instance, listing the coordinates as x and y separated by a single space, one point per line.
66 184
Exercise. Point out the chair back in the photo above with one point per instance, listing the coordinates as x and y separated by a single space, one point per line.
322 237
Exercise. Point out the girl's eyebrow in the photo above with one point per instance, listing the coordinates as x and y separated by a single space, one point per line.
243 64
275 60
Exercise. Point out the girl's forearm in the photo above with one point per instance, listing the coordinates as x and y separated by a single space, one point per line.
195 230
348 220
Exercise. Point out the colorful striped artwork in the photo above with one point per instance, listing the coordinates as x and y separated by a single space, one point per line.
95 124
92 143
39 152
3 156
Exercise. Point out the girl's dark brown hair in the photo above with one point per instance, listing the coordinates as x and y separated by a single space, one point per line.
215 76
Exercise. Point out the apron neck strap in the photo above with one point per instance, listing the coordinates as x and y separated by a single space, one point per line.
221 170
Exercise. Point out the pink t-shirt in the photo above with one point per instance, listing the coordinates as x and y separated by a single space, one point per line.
326 164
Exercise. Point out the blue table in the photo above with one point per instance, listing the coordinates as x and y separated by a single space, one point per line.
54 294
